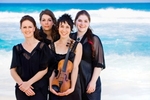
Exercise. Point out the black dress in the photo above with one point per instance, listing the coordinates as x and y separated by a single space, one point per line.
74 95
87 65
27 65
52 62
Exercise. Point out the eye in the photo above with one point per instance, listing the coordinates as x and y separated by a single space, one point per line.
49 20
24 27
86 21
68 27
61 26
79 20
30 26
43 20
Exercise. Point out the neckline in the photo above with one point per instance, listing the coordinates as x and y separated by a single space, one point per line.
82 39
79 38
31 50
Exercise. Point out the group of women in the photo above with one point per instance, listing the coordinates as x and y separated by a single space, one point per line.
47 51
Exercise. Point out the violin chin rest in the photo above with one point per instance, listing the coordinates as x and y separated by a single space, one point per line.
56 88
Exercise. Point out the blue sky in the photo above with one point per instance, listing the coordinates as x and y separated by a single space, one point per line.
68 1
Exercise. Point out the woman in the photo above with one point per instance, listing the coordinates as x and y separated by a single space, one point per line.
92 59
29 63
48 34
48 30
65 26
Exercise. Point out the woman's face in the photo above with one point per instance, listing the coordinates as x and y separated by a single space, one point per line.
64 29
46 22
27 28
82 23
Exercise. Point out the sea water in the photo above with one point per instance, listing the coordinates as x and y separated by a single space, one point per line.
124 29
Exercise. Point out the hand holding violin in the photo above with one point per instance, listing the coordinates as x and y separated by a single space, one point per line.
70 90
61 83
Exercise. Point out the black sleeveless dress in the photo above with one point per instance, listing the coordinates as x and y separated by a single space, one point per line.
74 95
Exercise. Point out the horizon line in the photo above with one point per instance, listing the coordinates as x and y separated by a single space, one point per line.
77 2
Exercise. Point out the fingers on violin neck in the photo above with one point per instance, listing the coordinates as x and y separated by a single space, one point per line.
69 43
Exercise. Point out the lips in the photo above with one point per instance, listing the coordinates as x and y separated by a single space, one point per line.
46 26
63 34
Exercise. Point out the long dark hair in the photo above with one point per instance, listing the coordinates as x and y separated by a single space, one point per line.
31 19
89 32
51 14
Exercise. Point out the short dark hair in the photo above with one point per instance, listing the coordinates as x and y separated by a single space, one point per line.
65 18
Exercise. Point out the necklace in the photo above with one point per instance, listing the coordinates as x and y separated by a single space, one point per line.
79 38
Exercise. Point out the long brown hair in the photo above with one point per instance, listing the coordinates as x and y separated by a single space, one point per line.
89 32
51 14
31 19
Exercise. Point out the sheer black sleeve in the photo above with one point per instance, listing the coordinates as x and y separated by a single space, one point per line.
99 60
15 57
44 58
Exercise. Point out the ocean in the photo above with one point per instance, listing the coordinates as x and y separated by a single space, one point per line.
124 29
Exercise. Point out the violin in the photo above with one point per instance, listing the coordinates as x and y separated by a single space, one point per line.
61 81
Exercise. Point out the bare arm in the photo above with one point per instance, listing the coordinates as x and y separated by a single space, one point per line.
76 63
15 76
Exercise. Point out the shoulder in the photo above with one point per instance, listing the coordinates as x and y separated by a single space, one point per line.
17 47
42 45
96 38
79 46
76 46
78 49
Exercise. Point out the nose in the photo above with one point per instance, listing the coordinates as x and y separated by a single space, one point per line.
82 23
63 29
27 29
46 21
